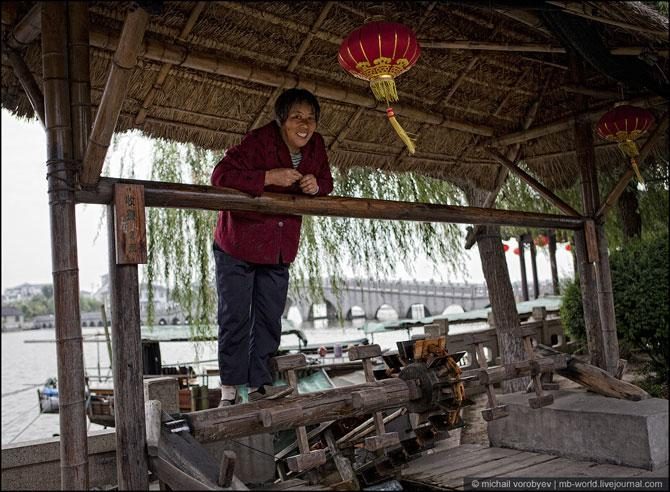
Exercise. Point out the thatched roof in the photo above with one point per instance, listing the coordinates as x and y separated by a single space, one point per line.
454 100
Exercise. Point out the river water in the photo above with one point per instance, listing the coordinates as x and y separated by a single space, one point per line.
26 365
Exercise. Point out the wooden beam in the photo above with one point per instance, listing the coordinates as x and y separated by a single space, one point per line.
177 195
597 93
628 174
524 47
339 138
307 40
586 11
564 124
201 61
165 69
64 265
27 30
27 81
546 193
116 88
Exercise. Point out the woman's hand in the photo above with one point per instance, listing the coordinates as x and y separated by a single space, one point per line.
282 177
309 185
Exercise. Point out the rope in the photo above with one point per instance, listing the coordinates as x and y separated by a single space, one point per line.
19 416
32 386
24 429
253 449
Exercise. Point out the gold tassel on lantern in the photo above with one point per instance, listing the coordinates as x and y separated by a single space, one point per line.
629 148
383 87
400 131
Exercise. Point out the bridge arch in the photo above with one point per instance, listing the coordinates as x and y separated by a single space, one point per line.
453 309
386 312
322 310
417 310
355 312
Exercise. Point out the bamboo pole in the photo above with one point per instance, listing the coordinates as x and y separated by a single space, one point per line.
583 135
177 195
533 268
116 88
127 367
545 192
165 69
80 77
556 290
27 81
571 8
307 40
564 124
26 30
161 52
60 176
522 265
523 47
628 174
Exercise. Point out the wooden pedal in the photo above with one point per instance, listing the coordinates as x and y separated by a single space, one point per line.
306 461
541 401
386 440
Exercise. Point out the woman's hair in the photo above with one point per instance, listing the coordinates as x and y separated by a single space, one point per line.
294 96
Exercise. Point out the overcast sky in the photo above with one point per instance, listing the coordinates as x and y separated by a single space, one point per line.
26 250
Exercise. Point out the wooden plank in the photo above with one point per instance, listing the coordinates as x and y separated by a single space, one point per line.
458 462
131 236
358 352
428 461
455 479
175 478
518 466
287 362
554 468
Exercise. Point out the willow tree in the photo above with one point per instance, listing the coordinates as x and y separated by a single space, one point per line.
180 241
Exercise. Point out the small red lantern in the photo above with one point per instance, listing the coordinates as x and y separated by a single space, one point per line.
505 248
541 241
624 124
378 52
568 247
517 251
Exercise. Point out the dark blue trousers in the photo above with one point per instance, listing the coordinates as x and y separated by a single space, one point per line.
252 298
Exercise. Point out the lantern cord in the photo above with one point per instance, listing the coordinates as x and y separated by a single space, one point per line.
399 130
636 169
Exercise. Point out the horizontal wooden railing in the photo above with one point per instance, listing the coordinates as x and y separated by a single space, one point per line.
178 195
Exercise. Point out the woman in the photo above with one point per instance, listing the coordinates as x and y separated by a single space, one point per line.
253 251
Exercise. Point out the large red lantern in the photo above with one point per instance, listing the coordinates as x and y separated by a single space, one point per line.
378 52
624 124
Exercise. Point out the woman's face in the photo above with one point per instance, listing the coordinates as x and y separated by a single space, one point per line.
299 126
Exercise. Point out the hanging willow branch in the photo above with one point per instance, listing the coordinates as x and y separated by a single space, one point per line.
180 241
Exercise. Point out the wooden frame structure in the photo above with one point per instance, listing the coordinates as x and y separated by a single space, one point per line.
76 150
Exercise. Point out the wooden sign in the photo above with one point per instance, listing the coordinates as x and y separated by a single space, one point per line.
131 237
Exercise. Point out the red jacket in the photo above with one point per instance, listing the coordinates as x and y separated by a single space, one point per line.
263 238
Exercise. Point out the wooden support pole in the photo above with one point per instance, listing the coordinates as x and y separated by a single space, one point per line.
80 77
533 183
123 65
533 269
28 83
60 176
522 265
177 195
523 47
26 30
131 458
555 288
628 174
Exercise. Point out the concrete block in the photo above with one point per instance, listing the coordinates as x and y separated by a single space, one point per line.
586 426
165 389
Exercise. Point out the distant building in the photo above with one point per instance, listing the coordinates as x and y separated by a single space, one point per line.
43 321
162 303
12 319
22 292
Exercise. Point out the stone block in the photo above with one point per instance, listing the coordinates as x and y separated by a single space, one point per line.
166 390
583 425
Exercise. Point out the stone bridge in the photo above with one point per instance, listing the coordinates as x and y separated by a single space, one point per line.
409 299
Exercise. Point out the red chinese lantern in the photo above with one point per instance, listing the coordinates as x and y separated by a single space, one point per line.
541 241
624 124
378 52
517 251
568 247
505 248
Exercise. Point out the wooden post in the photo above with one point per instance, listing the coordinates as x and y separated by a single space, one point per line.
583 135
533 267
556 290
131 459
60 175
522 264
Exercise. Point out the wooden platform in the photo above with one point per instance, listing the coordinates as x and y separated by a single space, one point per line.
447 469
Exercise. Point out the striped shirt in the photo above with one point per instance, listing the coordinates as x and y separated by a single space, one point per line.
296 158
